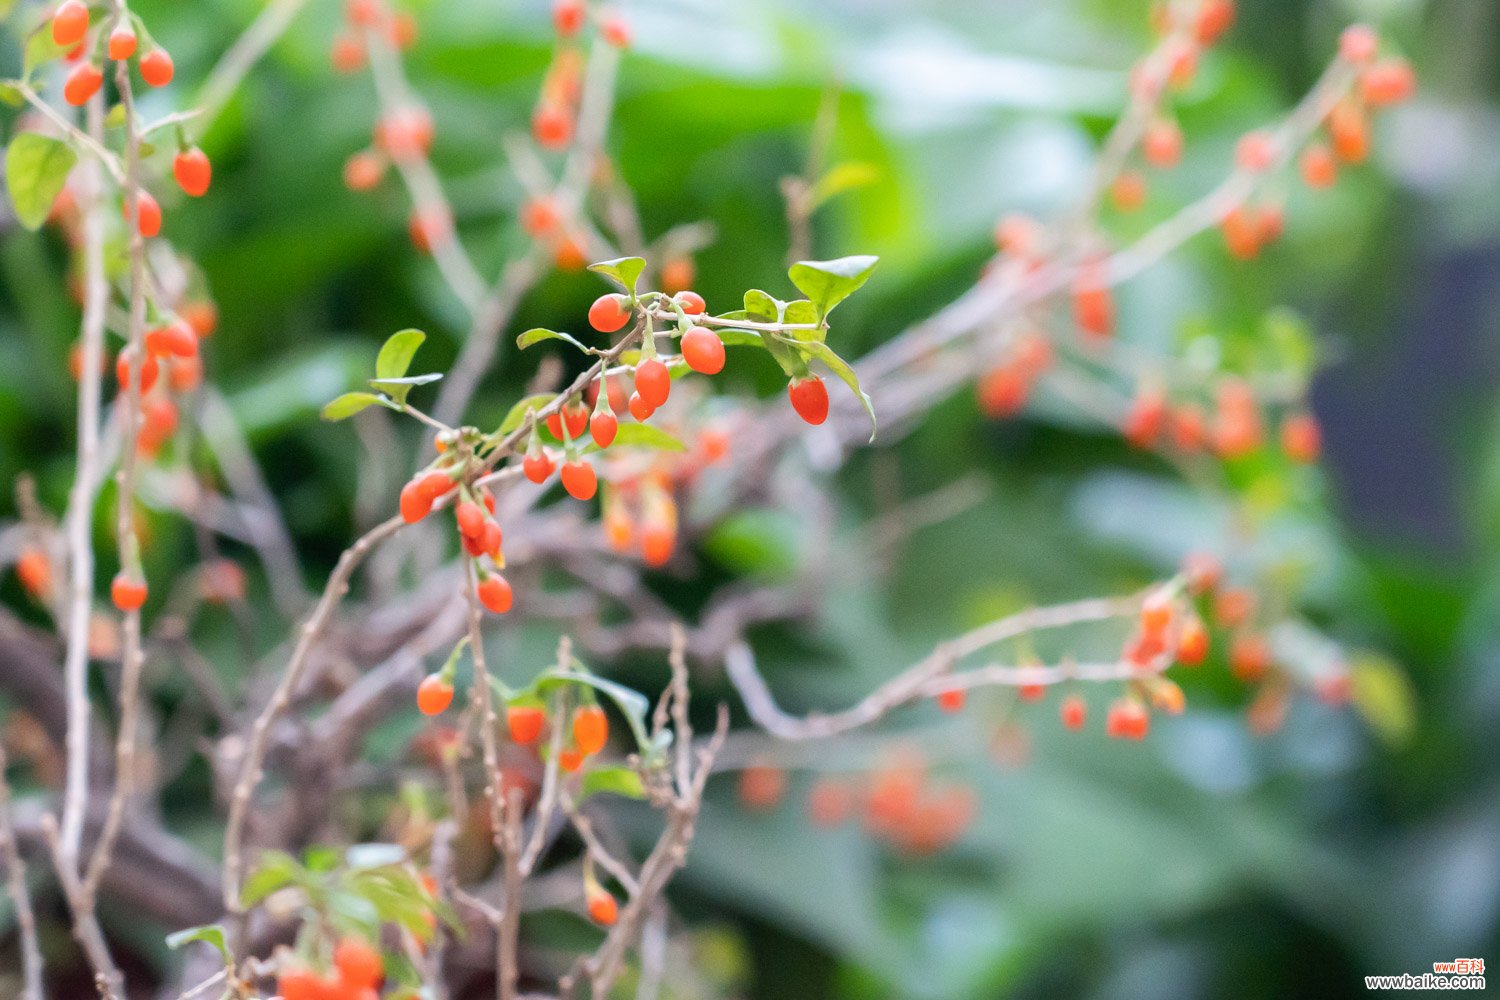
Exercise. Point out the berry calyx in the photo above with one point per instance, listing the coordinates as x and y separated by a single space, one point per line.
121 43
525 723
193 171
156 68
603 426
82 83
590 729
495 594
127 591
580 480
1073 712
70 23
609 313
359 965
809 398
434 695
654 382
604 909
703 351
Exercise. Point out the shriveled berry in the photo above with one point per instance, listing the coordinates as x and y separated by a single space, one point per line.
193 171
609 313
809 398
703 351
495 594
434 695
590 729
156 68
525 723
653 381
128 592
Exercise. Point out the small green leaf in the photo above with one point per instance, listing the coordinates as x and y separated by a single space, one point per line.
396 354
277 870
36 168
803 313
211 933
841 368
397 388
829 282
1383 695
40 48
762 307
538 334
517 413
625 270
613 780
642 436
632 704
348 405
11 94
791 362
115 116
843 177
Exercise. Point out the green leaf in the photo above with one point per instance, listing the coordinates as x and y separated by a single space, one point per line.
538 334
11 94
1383 695
642 436
843 177
36 168
396 353
802 312
829 282
625 270
613 780
397 388
517 413
348 405
632 704
277 871
40 48
211 933
763 307
786 356
841 368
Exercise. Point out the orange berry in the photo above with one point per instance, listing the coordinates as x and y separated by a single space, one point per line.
657 543
156 68
654 382
590 729
525 723
495 594
34 570
70 23
1128 192
809 398
537 465
1301 438
128 592
347 55
567 17
1390 81
677 275
952 699
615 31
1192 643
703 351
1359 44
82 83
829 803
1162 144
552 126
359 964
762 787
604 909
363 170
1127 720
1319 168
1073 711
1249 657
192 171
1255 152
434 695
149 370
609 313
1233 607
1003 391
603 426
148 214
1093 304
570 760
121 43
580 480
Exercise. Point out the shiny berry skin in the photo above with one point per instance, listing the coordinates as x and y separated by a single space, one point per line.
491 539
470 517
1073 711
809 398
127 592
148 214
552 126
70 23
574 416
359 965
537 465
149 371
525 723
415 503
952 699
173 339
121 44
82 83
156 68
193 171
603 427
639 408
692 303
435 484
604 909
495 594
654 382
703 351
590 729
434 695
609 313
579 479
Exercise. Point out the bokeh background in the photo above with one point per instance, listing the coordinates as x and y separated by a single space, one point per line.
1205 862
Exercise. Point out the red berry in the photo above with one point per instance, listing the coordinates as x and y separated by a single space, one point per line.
579 480
590 729
567 17
121 44
193 171
1192 644
1156 615
537 465
615 31
570 760
602 428
359 965
1127 720
809 398
703 350
1093 304
435 484
677 275
34 571
1073 711
82 83
1162 144
1349 128
1255 152
363 170
552 126
1359 44
609 313
574 416
525 723
1003 391
604 909
149 371
539 217
1249 657
1319 168
952 699
415 503
639 408
1388 82
654 382
1128 192
301 984
434 695
1214 18
1031 692
70 23
470 517
657 543
148 214
127 592
175 338
762 787
495 594
1301 439
156 68
347 55
692 303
